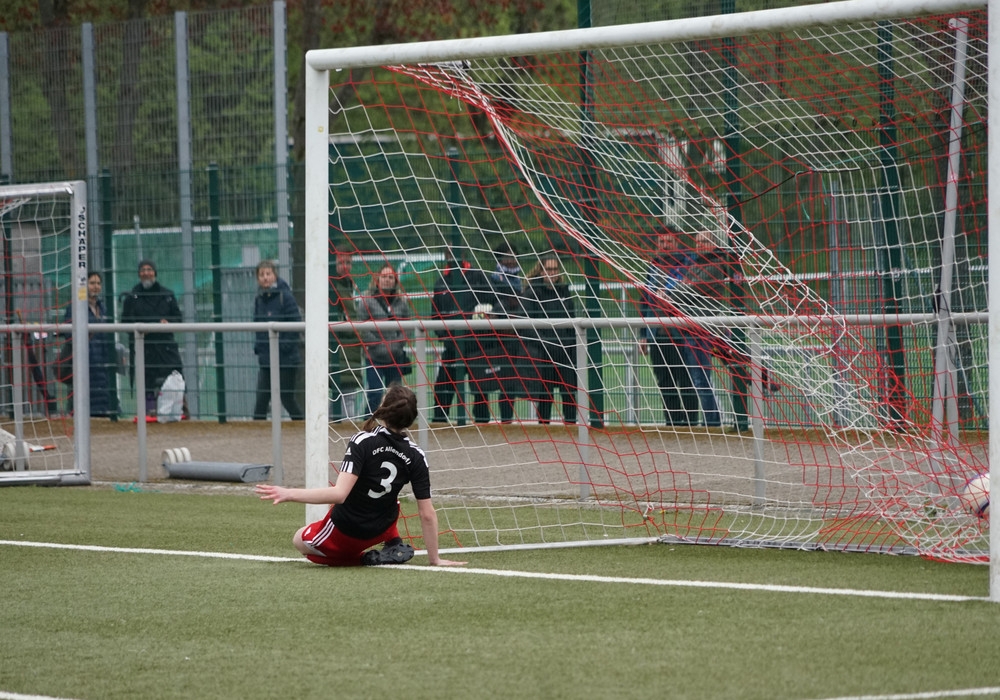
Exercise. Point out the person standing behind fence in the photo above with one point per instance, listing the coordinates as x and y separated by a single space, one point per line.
274 302
507 283
346 362
680 357
103 356
151 302
385 348
552 350
452 299
496 359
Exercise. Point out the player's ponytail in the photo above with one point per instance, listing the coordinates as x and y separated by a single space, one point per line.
397 411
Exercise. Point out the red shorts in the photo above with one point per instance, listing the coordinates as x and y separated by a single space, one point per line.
332 547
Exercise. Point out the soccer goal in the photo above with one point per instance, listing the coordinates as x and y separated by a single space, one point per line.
825 167
44 428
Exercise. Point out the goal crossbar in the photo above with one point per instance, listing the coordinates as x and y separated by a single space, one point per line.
626 35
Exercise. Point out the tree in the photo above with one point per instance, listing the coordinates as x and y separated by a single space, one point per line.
312 24
341 23
55 15
128 81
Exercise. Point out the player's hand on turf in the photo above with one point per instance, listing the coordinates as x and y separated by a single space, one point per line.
270 492
448 562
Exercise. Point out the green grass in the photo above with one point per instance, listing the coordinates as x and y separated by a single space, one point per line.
89 624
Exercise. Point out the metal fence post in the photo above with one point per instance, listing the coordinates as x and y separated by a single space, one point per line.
213 222
184 168
6 118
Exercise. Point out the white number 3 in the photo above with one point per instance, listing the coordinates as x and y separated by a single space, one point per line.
386 483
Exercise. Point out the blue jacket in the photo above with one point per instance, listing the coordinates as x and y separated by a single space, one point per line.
277 304
103 360
665 277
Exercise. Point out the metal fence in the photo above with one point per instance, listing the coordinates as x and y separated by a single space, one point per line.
632 400
141 109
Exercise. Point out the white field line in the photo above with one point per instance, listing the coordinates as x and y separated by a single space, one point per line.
929 695
698 584
141 550
896 595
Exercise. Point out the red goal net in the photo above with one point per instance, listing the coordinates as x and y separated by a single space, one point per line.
724 290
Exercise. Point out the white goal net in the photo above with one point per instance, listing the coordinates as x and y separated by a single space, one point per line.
716 280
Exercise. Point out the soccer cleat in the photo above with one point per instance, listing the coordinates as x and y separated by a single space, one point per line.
396 553
371 558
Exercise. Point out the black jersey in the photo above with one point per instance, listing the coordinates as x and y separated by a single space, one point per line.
384 463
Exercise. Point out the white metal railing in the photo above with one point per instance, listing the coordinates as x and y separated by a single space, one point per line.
422 328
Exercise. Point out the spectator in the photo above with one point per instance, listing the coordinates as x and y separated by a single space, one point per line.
379 461
385 348
680 357
452 299
710 278
346 362
274 302
497 359
151 302
505 280
103 355
695 276
553 351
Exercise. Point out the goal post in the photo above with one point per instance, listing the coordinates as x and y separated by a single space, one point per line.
45 431
809 182
993 232
317 271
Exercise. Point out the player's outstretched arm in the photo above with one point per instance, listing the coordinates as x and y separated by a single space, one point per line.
329 495
429 529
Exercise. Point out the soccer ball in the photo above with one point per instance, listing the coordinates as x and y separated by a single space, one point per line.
975 496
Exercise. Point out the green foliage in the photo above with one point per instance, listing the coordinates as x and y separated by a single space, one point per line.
40 143
232 127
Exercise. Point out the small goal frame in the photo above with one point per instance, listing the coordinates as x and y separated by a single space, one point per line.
75 244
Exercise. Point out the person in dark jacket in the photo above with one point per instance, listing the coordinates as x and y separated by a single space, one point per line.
346 358
274 302
497 360
552 350
103 356
151 302
452 300
676 368
692 274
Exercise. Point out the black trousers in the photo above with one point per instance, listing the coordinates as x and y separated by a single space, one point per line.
287 376
448 383
555 373
680 399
